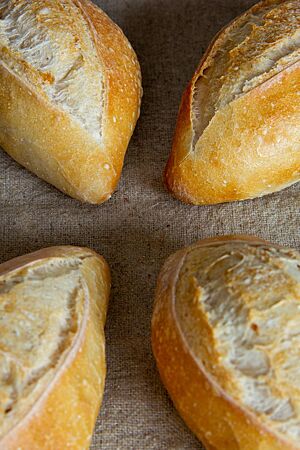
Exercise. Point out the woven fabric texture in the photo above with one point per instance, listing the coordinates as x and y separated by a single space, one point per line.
142 224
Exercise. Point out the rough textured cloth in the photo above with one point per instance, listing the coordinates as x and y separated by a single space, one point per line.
142 224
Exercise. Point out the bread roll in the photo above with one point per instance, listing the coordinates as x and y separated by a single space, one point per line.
70 90
226 339
52 358
238 133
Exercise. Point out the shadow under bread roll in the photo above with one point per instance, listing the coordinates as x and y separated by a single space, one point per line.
238 132
53 307
70 92
225 335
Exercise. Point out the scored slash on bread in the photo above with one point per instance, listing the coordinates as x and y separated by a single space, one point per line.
225 335
238 133
70 92
52 348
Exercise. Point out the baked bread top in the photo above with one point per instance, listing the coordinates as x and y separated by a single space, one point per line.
51 47
237 135
53 303
237 304
71 92
256 47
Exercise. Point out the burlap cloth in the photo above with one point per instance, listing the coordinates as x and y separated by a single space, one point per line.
141 225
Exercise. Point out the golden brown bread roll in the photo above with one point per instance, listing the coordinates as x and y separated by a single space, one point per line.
226 338
52 358
238 134
70 90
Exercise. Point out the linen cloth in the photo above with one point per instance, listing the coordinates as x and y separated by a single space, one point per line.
142 224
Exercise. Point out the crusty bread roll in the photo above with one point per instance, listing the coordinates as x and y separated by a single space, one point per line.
52 358
238 133
70 90
226 338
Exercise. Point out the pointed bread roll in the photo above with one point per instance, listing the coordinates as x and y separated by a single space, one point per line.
238 133
70 91
226 338
52 358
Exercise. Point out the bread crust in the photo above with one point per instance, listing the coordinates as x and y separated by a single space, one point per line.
46 140
64 415
250 147
217 419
